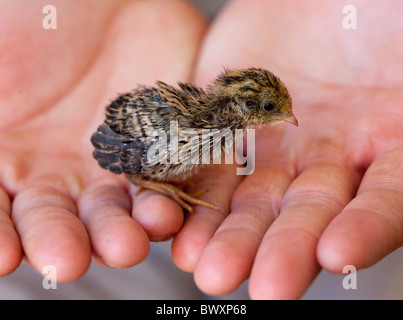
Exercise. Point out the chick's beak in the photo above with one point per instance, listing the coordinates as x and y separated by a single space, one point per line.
291 119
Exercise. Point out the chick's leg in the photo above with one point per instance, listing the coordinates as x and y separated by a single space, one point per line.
177 194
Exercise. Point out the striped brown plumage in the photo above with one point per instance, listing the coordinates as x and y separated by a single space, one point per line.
235 100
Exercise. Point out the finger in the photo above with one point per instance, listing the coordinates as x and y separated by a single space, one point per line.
117 240
50 231
199 227
228 258
11 251
285 264
160 216
370 227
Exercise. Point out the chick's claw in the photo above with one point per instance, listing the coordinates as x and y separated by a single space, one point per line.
178 195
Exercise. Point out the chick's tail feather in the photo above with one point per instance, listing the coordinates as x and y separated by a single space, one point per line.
115 152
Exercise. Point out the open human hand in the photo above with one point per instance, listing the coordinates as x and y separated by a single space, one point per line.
321 195
57 207
326 194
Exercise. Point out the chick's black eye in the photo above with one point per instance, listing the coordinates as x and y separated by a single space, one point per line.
268 106
250 104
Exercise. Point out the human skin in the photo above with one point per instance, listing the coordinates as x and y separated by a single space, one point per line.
328 193
56 203
322 194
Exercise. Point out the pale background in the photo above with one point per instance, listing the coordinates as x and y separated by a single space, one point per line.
158 278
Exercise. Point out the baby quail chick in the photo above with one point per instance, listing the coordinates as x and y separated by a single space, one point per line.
235 100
